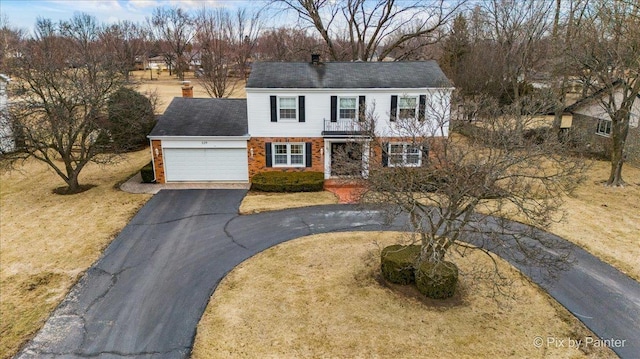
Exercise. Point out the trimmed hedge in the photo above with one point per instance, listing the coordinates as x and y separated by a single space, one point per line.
437 280
147 173
397 263
288 182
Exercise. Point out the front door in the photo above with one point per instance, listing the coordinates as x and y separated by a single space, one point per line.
346 159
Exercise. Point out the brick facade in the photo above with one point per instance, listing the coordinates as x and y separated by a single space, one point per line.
158 161
257 162
257 159
583 134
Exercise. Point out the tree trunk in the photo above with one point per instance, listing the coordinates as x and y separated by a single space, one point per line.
615 178
72 185
619 132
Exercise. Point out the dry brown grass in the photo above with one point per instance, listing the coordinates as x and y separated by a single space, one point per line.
318 296
605 220
256 202
48 240
169 86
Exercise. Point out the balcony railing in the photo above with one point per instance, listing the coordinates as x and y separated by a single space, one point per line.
343 128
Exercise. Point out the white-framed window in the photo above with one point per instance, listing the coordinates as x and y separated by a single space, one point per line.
288 155
604 127
288 108
407 107
347 108
404 154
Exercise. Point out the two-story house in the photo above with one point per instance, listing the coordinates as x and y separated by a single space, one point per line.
297 116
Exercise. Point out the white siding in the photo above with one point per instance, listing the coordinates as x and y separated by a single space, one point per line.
318 110
595 109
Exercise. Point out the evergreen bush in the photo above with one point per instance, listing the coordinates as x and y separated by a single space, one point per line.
146 173
437 280
288 182
398 263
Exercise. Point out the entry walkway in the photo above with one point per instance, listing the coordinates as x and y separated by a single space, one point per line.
135 185
144 297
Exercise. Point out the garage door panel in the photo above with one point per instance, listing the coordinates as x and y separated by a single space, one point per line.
205 164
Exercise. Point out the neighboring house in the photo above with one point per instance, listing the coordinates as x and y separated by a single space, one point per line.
7 142
155 62
591 124
296 116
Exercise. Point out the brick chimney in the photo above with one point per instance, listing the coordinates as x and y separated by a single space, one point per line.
187 89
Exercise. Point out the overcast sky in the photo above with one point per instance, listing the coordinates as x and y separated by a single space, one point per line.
23 13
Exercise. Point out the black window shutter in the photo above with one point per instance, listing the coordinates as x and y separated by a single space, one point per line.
301 109
267 154
422 108
274 109
385 154
334 108
394 107
307 154
362 108
425 156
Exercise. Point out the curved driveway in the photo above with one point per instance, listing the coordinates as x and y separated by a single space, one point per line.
145 296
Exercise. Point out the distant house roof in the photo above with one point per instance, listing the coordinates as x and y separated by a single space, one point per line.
410 74
203 117
594 96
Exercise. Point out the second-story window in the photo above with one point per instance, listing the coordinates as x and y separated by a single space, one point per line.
347 108
288 108
407 107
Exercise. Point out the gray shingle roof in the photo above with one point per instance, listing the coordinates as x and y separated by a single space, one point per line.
409 74
203 117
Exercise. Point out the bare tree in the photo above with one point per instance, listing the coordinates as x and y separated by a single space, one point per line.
227 42
11 39
173 28
456 189
245 31
370 27
127 43
288 44
216 51
606 49
65 83
517 28
566 26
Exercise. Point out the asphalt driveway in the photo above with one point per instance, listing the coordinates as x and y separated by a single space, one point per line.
146 294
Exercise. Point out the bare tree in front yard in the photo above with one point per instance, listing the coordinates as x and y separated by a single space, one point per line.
65 82
456 189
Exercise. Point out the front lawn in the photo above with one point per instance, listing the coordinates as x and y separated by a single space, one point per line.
319 296
49 240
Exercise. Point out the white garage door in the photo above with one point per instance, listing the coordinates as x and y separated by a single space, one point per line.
205 164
